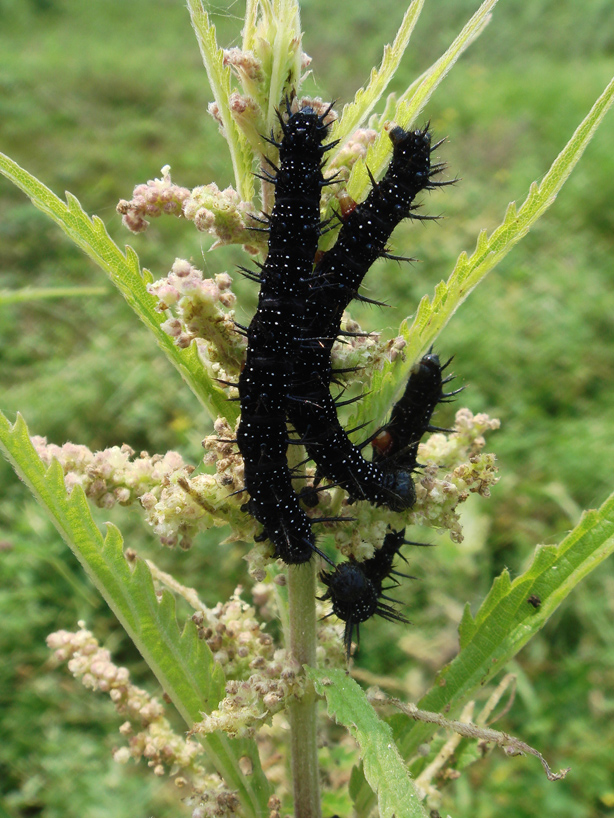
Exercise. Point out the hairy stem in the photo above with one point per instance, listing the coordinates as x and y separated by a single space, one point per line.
303 733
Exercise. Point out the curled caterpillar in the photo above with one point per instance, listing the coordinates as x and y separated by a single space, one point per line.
337 277
294 228
356 588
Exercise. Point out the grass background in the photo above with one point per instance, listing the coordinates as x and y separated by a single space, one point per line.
96 97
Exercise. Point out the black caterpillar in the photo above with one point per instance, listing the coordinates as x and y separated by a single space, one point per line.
262 437
356 588
335 282
288 370
397 441
282 342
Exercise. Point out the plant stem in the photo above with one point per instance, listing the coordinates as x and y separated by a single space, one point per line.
303 713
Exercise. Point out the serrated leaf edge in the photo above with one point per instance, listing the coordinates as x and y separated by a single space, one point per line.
182 663
384 768
123 269
433 315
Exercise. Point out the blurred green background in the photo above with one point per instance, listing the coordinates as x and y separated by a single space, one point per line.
96 97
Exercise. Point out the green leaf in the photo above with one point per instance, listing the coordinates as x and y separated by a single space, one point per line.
285 67
124 271
182 663
384 769
413 101
356 112
432 315
249 23
419 93
506 622
219 77
466 628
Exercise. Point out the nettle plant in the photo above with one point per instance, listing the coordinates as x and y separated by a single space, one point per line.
241 694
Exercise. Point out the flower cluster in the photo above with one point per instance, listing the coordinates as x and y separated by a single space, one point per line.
146 729
248 704
454 467
112 475
363 351
234 636
468 470
200 310
355 148
177 503
222 214
340 166
155 198
261 678
184 506
187 504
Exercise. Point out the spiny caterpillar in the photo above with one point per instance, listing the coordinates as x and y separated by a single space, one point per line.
356 589
294 228
337 277
288 373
